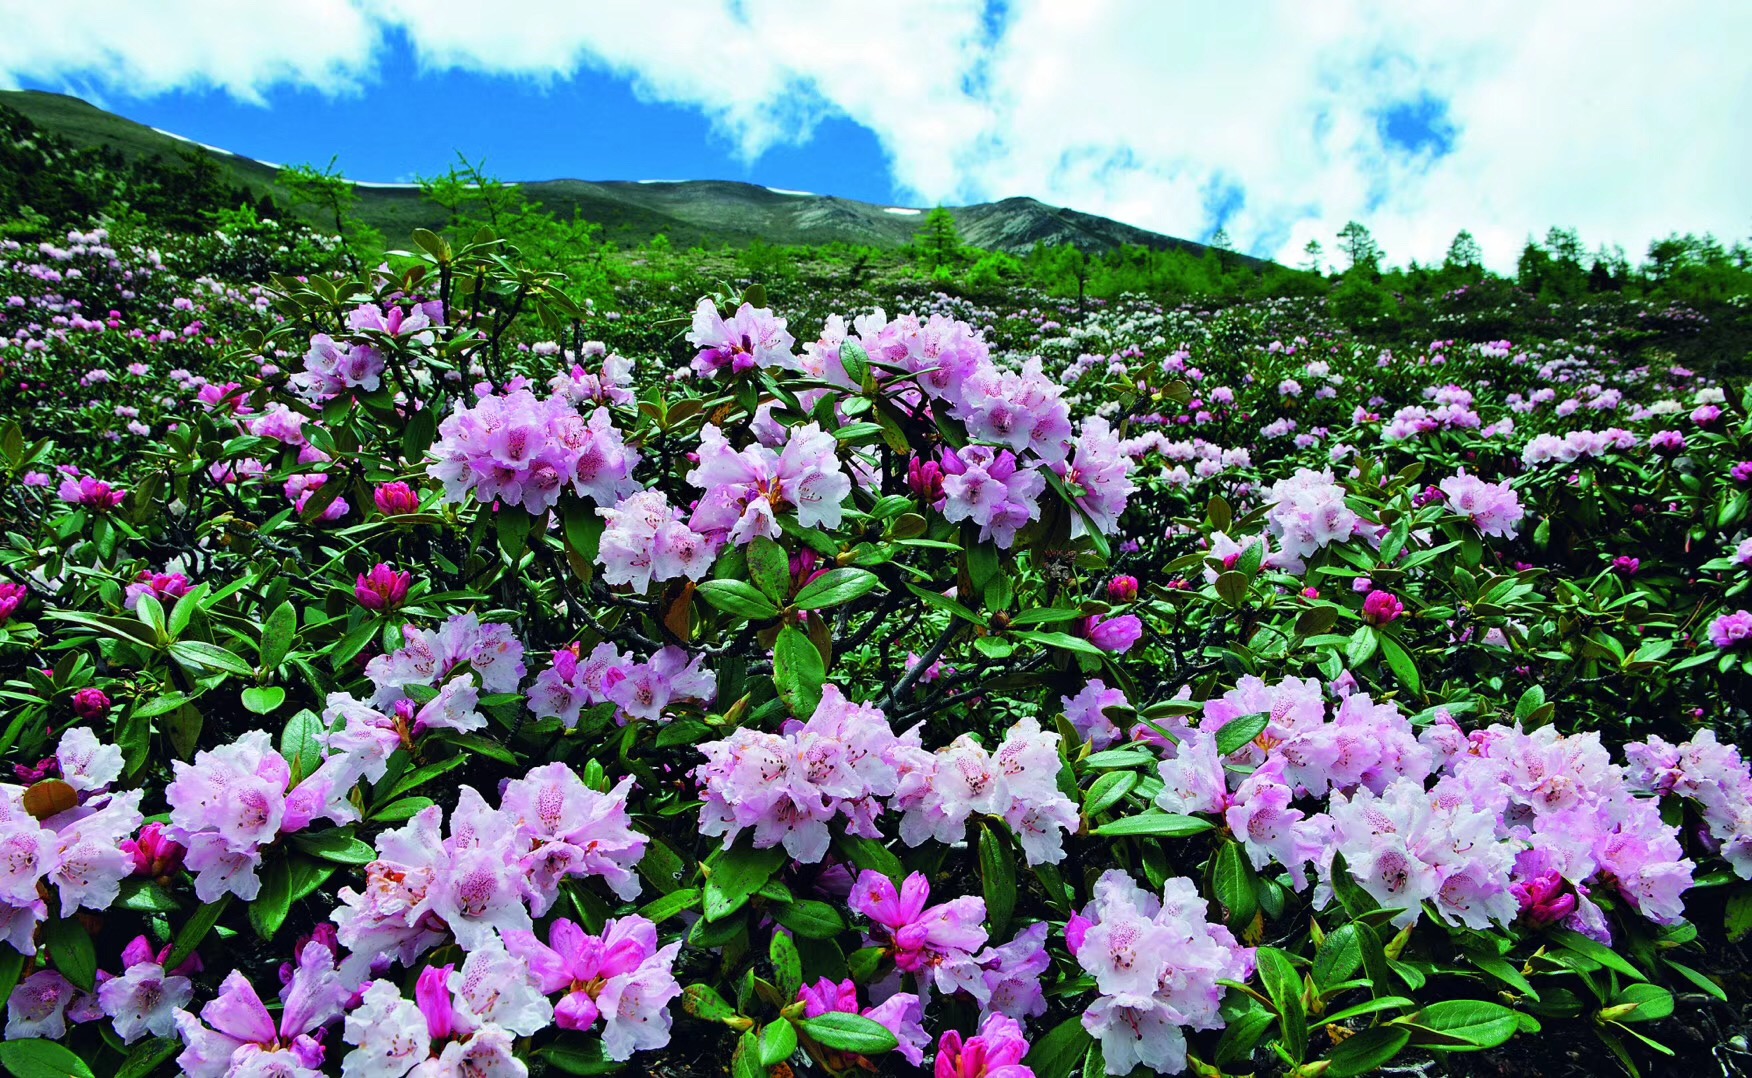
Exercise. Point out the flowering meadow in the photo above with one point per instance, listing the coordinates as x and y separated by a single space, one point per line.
419 671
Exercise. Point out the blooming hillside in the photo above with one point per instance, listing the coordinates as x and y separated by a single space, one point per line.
417 671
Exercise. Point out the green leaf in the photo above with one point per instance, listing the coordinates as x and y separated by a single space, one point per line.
845 1032
204 918
836 586
512 525
1163 824
1600 953
1364 1052
204 656
703 1002
1233 879
1738 918
337 845
1475 1022
1232 588
151 614
148 1056
1505 971
422 775
1284 985
73 953
670 905
586 1058
307 875
798 671
810 918
1361 646
405 809
1063 1047
1400 662
267 911
277 635
145 896
1340 955
1107 791
1060 640
737 873
777 1041
738 597
1241 1036
299 745
41 1059
263 699
855 360
1238 732
770 568
1641 1003
11 966
997 873
787 965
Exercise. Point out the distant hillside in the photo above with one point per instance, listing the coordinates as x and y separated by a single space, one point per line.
691 211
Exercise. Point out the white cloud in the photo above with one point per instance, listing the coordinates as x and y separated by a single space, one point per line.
1623 120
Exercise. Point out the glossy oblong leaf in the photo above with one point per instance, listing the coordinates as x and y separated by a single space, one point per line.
836 586
1162 824
849 1033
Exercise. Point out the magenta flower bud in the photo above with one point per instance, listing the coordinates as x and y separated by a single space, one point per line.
46 768
1114 634
11 598
1625 565
396 499
925 478
91 493
1382 608
1544 899
91 704
1742 472
1122 589
1310 593
382 589
155 854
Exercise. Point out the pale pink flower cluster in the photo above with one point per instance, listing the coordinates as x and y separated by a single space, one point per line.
746 491
1575 445
236 1035
788 786
460 1022
1157 964
1099 478
611 383
621 978
333 368
639 690
77 852
991 489
1506 808
493 869
1308 513
526 451
645 540
750 338
234 800
491 652
939 792
1709 773
1495 509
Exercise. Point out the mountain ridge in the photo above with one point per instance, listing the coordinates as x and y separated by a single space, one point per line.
689 212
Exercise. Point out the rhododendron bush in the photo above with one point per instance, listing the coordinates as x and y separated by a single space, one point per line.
405 677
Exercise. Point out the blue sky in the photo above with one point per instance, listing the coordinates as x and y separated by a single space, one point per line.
589 126
1277 121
